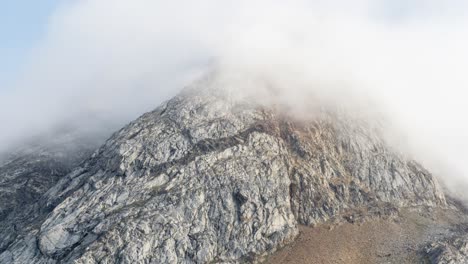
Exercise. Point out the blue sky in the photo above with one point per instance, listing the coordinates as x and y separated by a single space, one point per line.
22 24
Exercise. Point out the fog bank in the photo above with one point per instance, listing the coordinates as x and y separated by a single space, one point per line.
103 63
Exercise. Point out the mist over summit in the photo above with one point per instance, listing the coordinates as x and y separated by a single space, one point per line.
106 62
243 132
212 177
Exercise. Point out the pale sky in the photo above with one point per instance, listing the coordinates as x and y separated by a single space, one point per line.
22 24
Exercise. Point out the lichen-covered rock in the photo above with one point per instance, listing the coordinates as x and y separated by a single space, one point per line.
204 178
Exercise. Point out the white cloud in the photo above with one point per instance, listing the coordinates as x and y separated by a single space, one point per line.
117 58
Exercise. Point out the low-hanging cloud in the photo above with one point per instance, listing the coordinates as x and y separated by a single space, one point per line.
103 63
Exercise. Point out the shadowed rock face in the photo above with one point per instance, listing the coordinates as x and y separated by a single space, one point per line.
31 170
204 179
28 172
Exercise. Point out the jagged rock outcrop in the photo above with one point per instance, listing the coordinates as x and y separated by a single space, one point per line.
204 178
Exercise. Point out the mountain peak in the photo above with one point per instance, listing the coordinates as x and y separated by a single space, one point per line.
205 178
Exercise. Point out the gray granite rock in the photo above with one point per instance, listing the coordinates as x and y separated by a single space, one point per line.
208 179
449 251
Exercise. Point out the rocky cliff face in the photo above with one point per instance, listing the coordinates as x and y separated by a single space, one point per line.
204 178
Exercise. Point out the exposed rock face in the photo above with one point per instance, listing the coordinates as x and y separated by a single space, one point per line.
204 178
451 251
27 174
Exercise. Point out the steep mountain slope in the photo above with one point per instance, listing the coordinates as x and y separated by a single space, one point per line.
205 178
27 172
30 170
